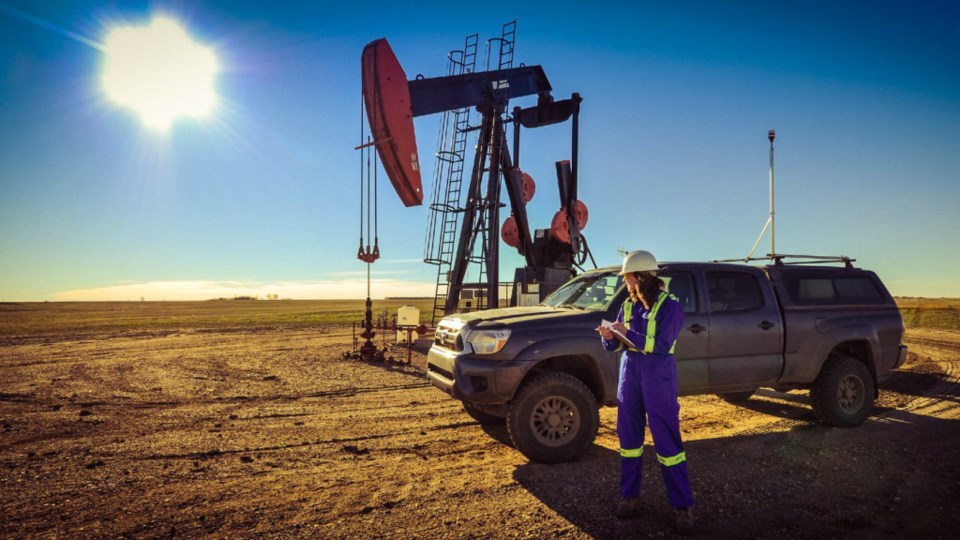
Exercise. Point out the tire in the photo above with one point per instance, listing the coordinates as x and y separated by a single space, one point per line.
553 418
736 397
481 416
843 394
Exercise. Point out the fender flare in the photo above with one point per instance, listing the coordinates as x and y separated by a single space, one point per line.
842 333
534 356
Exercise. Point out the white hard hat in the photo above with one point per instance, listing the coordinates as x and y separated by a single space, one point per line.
639 261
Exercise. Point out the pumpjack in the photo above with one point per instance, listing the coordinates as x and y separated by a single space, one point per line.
392 102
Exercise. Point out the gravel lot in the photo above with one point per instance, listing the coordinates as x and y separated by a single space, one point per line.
268 432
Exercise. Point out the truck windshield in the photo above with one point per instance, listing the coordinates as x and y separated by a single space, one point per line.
593 292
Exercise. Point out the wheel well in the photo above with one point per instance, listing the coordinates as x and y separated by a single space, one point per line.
860 351
575 366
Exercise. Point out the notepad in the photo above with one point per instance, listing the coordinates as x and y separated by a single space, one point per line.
626 341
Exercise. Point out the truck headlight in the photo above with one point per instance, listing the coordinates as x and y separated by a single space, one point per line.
488 341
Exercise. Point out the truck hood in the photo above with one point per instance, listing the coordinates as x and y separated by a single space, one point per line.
512 316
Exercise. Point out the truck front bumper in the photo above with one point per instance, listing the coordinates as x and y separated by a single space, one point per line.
471 379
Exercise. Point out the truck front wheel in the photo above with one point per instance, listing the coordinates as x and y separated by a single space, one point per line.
842 396
553 418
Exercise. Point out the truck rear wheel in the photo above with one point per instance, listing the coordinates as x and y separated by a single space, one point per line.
485 418
842 396
553 418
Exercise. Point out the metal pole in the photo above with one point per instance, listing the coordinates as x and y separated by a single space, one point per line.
773 226
516 136
575 148
493 212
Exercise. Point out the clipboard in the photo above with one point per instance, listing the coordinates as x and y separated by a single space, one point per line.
626 341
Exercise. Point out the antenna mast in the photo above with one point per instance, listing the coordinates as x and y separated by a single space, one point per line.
775 258
771 222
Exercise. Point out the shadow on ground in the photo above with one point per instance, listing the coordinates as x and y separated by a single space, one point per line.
808 482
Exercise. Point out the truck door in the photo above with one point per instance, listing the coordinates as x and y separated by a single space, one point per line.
692 367
746 330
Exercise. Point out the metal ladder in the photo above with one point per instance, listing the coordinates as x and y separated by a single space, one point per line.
446 205
509 41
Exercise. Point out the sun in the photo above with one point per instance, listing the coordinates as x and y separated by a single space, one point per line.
160 72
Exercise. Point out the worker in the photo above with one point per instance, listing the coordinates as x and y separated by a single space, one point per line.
648 325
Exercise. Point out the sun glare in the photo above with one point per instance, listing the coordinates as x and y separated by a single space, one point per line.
159 72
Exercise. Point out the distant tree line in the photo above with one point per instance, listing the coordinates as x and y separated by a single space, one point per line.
249 297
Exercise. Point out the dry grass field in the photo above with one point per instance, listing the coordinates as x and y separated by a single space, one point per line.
97 317
935 313
242 419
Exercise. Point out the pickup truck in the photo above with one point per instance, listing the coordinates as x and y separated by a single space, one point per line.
834 330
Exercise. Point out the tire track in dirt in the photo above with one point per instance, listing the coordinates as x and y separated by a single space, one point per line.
334 441
126 402
943 398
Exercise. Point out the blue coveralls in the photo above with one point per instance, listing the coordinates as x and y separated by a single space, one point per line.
648 390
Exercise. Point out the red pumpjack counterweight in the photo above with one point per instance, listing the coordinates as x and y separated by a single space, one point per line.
387 98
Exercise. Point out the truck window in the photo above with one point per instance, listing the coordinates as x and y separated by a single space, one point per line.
811 290
815 290
857 290
733 291
681 285
594 292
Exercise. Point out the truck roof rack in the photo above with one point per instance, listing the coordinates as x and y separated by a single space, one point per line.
778 259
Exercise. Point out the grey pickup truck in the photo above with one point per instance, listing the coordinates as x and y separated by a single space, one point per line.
834 330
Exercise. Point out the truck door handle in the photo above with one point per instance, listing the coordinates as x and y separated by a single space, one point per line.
766 325
696 328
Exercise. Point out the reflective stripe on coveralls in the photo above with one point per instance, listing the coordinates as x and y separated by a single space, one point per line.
631 452
651 336
669 461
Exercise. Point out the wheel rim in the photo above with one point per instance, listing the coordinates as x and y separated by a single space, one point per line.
555 420
850 394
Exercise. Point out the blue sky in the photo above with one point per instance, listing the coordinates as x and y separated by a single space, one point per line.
262 197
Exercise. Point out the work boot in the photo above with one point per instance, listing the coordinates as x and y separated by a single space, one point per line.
685 523
628 508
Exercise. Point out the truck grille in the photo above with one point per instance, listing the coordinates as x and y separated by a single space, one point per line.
448 338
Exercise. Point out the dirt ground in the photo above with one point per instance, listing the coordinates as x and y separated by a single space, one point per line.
269 432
